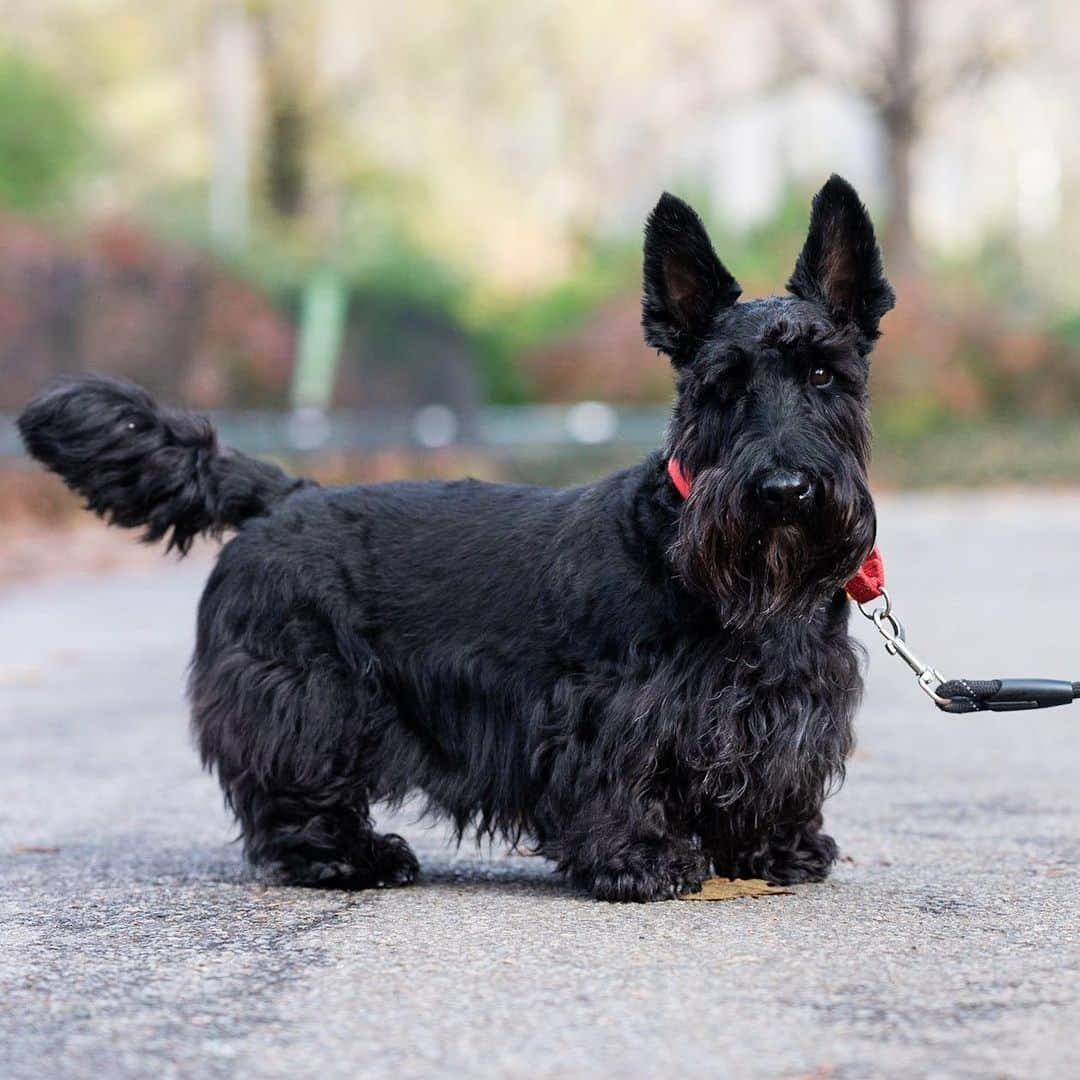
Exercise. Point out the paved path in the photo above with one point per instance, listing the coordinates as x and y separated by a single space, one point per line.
131 943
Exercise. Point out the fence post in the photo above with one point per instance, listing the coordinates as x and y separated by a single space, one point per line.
322 329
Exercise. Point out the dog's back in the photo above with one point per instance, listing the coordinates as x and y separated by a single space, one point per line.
416 635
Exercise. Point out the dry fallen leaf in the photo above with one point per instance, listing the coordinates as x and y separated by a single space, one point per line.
722 888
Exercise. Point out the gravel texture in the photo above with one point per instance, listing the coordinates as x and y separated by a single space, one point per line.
133 944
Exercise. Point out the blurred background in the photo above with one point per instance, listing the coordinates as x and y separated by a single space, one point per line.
380 240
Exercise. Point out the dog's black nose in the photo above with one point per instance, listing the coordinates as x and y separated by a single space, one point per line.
785 492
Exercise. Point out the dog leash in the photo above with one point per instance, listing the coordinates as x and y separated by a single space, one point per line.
949 695
964 695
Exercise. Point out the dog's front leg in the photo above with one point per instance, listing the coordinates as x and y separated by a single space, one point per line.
791 854
785 853
628 852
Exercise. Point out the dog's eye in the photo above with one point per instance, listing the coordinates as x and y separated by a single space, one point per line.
820 377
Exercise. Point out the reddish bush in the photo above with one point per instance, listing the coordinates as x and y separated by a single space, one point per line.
604 359
122 302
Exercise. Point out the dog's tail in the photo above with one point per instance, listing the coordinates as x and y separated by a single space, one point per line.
137 464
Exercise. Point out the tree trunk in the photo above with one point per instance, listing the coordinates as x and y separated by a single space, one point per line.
899 120
286 147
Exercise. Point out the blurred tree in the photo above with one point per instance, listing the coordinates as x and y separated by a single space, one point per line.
44 136
231 94
504 138
883 52
286 68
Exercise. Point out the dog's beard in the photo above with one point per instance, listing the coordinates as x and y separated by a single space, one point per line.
752 570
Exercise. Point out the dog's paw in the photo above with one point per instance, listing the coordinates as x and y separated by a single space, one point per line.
380 862
659 875
808 859
394 862
312 874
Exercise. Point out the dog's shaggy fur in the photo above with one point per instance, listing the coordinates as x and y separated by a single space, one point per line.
643 687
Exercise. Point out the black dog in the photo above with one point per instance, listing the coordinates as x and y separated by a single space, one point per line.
642 685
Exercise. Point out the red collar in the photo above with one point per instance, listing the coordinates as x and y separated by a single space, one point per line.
865 586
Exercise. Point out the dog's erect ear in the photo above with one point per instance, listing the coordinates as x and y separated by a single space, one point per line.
685 283
840 263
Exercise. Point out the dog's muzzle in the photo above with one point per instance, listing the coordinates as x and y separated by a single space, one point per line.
784 496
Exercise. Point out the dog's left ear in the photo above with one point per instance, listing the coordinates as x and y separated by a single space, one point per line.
840 263
685 283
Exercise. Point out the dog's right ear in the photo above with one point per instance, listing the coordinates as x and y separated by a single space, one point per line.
685 283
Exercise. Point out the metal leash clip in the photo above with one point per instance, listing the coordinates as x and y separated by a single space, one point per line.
891 629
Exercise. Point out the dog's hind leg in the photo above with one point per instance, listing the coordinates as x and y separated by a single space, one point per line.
293 747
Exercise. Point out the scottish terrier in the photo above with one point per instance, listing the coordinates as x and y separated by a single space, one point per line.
648 677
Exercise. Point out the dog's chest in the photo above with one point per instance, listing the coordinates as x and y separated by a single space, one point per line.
776 713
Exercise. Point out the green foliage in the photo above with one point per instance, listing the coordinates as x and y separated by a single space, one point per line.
905 420
44 139
979 453
1067 330
505 331
384 269
397 271
762 257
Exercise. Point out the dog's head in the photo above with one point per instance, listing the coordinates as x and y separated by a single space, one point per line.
770 420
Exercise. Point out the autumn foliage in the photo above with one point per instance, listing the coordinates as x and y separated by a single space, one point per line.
118 301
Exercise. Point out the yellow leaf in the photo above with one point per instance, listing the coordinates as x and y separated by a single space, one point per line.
722 888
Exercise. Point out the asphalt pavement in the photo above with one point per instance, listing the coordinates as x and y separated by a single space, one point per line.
133 943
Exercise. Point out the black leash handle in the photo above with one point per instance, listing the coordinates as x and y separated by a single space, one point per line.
968 695
1006 695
